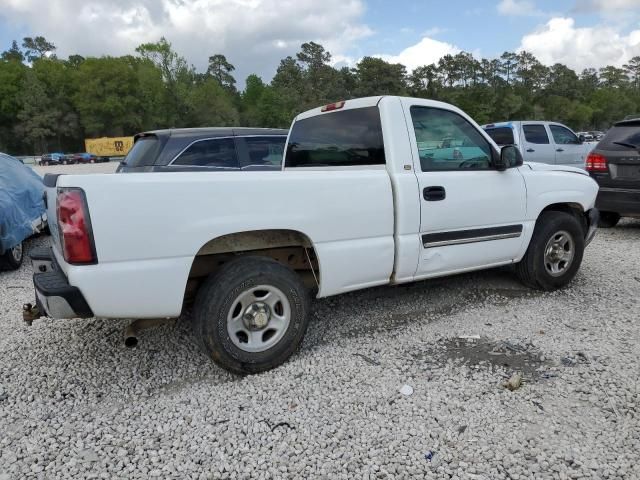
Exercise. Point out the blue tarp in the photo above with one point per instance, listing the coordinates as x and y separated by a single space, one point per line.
21 201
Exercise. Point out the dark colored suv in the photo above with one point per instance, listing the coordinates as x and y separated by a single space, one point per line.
615 164
206 149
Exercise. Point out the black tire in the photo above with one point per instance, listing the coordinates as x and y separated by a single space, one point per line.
221 291
12 259
532 270
608 219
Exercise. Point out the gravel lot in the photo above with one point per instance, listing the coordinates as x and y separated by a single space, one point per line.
75 402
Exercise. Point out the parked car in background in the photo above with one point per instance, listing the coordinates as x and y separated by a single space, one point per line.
83 157
597 135
22 209
585 136
615 164
543 142
54 159
206 149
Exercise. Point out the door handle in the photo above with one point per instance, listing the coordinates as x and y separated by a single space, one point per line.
434 194
559 150
530 150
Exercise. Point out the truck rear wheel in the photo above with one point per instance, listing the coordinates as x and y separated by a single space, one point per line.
251 315
554 254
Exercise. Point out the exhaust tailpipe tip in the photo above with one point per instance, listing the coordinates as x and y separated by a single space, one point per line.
132 330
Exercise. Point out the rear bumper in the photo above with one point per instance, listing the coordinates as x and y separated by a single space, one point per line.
54 296
619 200
593 217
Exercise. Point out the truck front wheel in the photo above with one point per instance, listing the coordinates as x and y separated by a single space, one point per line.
555 252
251 315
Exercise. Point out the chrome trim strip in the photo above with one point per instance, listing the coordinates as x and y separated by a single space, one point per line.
462 241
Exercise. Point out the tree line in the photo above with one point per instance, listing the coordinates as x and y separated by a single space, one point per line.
51 104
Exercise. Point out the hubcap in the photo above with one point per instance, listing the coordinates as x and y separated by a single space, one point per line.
258 318
16 252
558 254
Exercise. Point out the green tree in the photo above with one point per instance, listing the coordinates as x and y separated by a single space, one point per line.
377 77
211 105
13 54
36 114
613 77
12 75
107 97
508 66
220 69
37 47
633 71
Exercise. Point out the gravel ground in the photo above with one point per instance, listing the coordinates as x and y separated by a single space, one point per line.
74 402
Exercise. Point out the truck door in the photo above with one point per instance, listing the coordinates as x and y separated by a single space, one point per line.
536 146
471 215
568 147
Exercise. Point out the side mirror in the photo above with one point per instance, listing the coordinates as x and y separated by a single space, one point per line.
582 138
510 157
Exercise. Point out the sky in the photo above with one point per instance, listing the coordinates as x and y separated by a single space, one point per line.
255 34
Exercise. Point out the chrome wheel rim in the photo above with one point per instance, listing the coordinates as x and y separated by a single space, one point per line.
258 318
16 253
559 253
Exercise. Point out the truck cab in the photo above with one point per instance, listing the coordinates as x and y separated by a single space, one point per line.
541 141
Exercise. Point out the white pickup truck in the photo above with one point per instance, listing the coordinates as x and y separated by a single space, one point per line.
544 142
372 192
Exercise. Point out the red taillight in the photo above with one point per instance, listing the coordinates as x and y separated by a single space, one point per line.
75 227
333 106
597 163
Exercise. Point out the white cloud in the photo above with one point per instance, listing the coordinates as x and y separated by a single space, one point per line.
559 40
518 8
425 52
607 6
253 34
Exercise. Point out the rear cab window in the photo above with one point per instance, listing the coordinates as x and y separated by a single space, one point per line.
535 134
501 135
144 152
337 139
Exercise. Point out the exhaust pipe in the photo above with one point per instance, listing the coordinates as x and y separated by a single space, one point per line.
132 331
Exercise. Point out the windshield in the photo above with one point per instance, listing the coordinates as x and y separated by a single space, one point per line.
144 152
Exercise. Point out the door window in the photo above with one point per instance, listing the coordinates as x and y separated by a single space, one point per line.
265 150
563 136
447 141
216 153
535 134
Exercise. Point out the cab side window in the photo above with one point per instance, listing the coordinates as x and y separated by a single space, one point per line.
215 153
447 141
535 134
563 136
